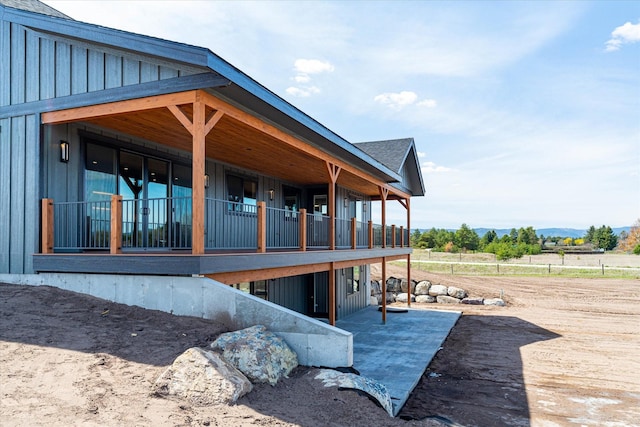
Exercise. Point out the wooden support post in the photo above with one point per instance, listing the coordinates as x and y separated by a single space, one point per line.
354 234
370 234
332 295
262 227
409 280
384 193
47 226
393 235
198 171
383 285
302 222
115 241
334 171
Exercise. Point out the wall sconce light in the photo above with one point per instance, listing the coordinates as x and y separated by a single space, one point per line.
206 180
346 202
272 193
64 151
364 207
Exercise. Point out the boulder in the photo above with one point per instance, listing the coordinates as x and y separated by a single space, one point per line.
391 297
394 285
403 297
452 291
259 354
375 300
436 290
376 289
422 288
203 378
494 301
425 299
445 299
472 301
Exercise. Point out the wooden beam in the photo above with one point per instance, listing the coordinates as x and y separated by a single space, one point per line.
384 193
46 226
383 286
120 107
262 227
370 234
354 233
115 240
334 172
233 277
197 178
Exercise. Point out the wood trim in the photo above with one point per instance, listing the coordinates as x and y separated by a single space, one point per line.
119 107
384 193
334 172
370 234
182 117
302 222
233 277
262 227
47 225
115 243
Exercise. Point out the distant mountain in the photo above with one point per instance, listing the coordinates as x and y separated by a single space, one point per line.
574 233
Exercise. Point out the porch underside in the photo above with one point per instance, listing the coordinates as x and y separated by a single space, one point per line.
223 267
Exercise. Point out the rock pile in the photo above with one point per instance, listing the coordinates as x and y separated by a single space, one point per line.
224 374
425 292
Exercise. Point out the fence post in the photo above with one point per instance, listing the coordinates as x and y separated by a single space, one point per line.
354 234
303 229
262 227
47 226
393 236
115 241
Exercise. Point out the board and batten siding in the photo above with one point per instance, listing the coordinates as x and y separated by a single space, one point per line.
36 66
350 303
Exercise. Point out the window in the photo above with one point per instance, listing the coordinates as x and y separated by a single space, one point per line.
353 279
258 288
242 194
291 201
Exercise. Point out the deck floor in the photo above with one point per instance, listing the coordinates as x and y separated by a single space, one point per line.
397 353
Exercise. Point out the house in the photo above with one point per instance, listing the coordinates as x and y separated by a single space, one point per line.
123 155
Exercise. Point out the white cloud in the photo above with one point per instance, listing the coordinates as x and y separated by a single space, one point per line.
312 66
428 103
421 154
431 167
624 34
302 78
302 92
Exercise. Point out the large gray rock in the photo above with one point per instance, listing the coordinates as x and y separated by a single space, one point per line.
343 380
472 301
446 299
459 293
203 378
494 301
403 297
391 297
436 290
425 299
259 354
376 289
394 285
422 288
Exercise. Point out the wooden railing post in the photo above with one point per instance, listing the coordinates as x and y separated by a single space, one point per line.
262 227
393 236
303 229
47 226
354 234
370 234
402 236
115 243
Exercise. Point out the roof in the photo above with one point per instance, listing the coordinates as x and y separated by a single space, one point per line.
391 153
33 6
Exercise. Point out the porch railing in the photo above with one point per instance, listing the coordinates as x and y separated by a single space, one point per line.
166 223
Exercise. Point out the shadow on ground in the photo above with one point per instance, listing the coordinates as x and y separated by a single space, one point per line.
477 377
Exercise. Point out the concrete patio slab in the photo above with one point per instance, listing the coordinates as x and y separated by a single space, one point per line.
397 353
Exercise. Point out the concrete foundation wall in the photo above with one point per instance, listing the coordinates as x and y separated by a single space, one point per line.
316 343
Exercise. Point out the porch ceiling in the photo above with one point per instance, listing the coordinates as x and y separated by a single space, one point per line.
249 144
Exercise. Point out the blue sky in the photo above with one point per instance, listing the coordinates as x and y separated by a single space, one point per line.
524 113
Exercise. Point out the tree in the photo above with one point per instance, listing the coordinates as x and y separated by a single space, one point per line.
527 236
488 237
415 237
604 238
513 235
466 238
591 233
632 240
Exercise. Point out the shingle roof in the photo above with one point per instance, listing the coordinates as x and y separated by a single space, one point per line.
391 153
33 6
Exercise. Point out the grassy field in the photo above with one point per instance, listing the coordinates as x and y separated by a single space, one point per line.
611 265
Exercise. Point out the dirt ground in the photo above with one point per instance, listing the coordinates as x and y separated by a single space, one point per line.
563 352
